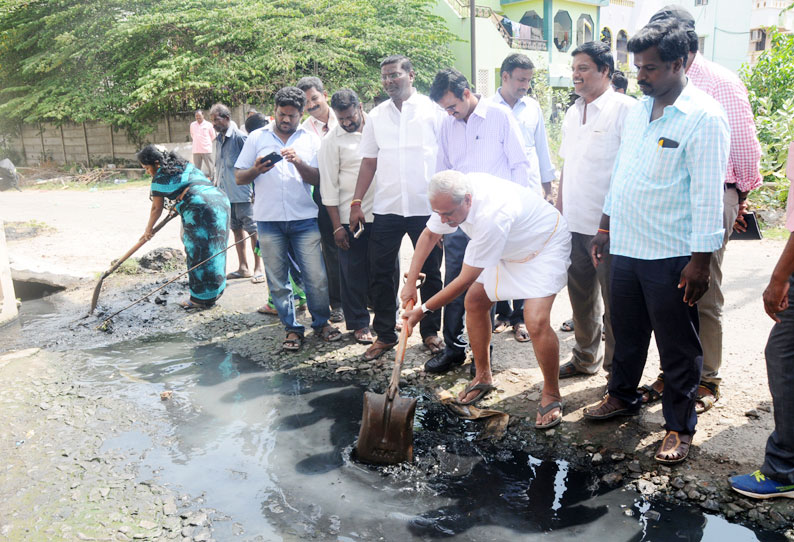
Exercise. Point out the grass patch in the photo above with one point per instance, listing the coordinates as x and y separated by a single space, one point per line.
25 230
130 267
778 233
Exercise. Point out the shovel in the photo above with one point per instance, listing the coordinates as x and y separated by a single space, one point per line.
387 435
171 214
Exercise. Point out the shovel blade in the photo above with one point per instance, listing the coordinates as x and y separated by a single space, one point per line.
387 434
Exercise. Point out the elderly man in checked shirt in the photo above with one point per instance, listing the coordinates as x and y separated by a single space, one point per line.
741 177
662 221
477 136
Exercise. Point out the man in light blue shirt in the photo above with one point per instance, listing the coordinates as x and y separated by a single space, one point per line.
282 164
662 220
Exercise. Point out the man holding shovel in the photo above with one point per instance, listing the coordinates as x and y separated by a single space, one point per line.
519 249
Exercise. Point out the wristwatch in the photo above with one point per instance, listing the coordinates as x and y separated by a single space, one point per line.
425 310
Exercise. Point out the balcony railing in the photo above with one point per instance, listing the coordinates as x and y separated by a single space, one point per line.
485 12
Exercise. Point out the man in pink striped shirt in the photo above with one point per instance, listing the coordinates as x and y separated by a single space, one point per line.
742 176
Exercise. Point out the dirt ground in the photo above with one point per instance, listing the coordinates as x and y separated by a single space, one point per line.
89 229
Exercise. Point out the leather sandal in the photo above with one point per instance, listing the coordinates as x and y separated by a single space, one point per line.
609 407
522 335
363 335
652 392
674 448
377 350
292 344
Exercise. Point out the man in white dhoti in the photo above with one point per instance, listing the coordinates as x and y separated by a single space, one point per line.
519 249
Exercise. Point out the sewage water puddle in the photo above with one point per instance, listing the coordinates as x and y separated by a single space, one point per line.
273 453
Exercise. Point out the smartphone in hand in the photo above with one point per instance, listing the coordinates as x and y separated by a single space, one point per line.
273 158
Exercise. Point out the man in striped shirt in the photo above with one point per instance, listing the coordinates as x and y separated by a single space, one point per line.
662 222
741 177
476 136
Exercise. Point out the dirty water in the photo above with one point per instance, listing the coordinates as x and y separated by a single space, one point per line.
272 454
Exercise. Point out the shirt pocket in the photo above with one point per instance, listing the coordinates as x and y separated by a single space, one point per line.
664 165
601 146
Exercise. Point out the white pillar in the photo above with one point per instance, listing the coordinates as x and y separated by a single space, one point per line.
8 300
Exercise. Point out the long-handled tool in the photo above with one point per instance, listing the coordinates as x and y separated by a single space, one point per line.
387 434
103 325
171 214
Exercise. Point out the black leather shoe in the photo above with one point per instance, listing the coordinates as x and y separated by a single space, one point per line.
444 361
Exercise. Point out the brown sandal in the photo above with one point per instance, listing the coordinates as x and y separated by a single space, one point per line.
674 448
329 333
377 350
363 335
708 394
522 335
292 344
609 407
434 343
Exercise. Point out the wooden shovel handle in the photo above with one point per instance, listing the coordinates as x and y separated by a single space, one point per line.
402 343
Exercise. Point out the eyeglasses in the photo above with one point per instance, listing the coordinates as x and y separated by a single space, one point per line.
391 76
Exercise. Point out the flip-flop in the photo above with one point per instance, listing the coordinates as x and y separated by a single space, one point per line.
672 443
258 279
237 275
482 388
567 326
543 410
522 335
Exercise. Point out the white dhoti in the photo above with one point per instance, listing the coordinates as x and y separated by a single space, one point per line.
543 275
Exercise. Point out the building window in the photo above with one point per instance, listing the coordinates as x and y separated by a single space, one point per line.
584 29
621 48
758 39
535 22
701 2
606 36
562 31
701 43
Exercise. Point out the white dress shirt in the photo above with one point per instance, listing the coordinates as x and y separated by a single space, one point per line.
339 164
404 142
589 151
317 127
530 119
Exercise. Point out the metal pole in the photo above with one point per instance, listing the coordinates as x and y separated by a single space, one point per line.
473 20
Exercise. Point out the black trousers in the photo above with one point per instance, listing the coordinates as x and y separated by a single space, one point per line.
330 252
384 246
455 312
354 279
645 298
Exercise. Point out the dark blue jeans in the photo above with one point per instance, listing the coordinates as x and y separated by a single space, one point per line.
384 246
354 279
645 298
779 458
514 314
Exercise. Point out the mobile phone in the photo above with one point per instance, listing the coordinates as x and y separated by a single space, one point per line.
273 158
359 230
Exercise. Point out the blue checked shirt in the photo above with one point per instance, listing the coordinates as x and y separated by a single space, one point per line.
665 199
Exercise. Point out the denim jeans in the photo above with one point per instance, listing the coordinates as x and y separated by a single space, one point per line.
303 237
779 457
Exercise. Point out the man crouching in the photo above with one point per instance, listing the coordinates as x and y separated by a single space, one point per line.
519 249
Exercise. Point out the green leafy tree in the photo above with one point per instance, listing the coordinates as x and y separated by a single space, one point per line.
126 62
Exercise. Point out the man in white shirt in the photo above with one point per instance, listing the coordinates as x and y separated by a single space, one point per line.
591 133
322 120
477 136
519 249
339 164
399 142
516 73
203 135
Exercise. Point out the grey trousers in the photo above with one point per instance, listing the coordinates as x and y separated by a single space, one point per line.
199 159
588 289
710 305
779 456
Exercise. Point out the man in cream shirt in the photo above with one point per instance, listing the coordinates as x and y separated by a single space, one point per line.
339 164
590 140
399 142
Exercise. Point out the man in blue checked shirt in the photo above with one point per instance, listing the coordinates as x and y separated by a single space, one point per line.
662 220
